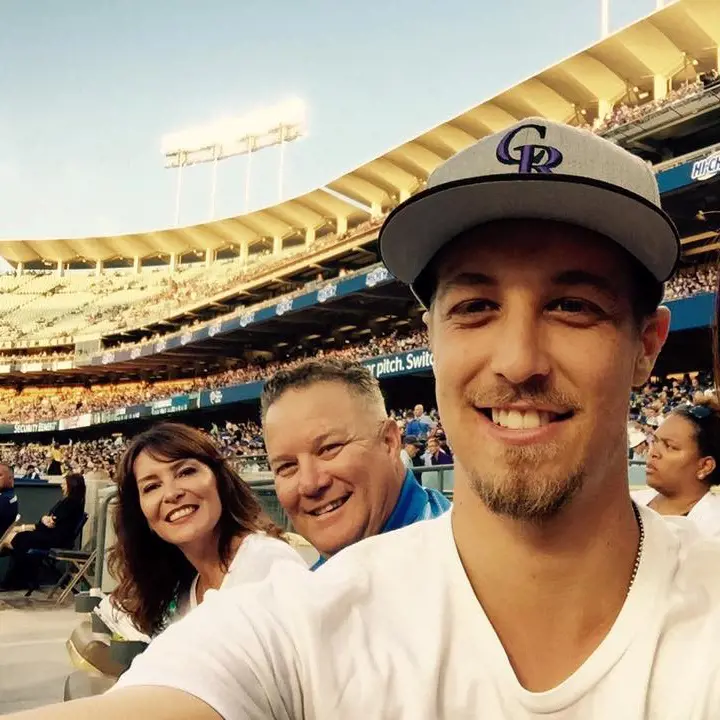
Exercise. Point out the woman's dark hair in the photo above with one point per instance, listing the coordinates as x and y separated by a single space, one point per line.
152 573
704 415
75 487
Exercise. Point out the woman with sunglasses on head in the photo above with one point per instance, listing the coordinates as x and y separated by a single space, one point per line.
683 464
186 525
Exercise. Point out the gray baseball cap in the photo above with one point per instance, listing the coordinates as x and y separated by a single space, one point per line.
537 169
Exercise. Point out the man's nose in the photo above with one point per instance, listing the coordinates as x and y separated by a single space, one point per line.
519 353
312 480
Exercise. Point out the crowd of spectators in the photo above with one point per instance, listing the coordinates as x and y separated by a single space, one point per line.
650 405
424 441
38 404
240 442
691 281
625 113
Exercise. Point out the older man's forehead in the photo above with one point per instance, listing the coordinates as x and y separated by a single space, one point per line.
309 414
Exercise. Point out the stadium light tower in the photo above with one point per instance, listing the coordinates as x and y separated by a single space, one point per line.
604 18
268 127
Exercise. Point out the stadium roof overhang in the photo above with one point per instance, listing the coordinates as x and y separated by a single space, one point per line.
673 43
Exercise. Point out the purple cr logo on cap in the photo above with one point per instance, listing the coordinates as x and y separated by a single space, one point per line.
531 158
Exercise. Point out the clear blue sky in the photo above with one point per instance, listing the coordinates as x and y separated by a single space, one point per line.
89 87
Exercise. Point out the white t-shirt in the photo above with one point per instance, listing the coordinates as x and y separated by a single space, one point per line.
253 561
705 513
390 628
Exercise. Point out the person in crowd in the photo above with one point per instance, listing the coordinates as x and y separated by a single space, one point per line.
682 466
186 525
55 466
539 254
57 529
9 506
637 444
420 424
335 455
32 474
435 454
411 448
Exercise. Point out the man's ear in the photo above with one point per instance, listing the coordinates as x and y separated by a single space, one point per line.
427 319
653 334
392 437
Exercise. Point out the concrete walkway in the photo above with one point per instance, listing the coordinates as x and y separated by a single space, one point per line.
33 660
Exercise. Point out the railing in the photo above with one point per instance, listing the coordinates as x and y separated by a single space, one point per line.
438 477
442 477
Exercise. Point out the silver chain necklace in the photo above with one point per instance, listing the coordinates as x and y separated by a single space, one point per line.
641 543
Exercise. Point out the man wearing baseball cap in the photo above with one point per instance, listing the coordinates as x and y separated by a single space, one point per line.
539 254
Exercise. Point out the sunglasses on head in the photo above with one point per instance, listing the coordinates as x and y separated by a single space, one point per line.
699 412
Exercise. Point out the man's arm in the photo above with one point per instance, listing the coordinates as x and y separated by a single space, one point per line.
234 657
140 702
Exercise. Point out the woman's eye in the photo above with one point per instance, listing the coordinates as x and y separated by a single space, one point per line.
148 488
188 470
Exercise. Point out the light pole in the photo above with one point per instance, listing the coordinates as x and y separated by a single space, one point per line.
702 214
604 18
264 128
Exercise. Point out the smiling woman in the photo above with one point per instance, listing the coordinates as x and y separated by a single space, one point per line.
186 524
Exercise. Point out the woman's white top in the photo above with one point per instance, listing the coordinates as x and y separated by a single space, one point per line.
705 514
253 560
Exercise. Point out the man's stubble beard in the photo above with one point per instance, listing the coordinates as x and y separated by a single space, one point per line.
520 492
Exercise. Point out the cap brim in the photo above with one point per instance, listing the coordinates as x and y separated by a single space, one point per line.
416 230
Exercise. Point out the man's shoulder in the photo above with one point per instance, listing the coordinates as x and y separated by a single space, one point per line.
388 552
438 504
695 555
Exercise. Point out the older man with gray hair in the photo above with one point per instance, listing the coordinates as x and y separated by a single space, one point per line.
335 455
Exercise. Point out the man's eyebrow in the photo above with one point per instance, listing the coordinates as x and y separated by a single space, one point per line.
585 277
466 279
316 443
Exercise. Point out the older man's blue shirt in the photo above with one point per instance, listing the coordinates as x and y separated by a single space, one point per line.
414 504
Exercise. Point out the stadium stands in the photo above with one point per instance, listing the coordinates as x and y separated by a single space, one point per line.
689 281
35 404
626 112
52 308
243 441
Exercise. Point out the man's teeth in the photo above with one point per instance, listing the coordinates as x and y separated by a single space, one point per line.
330 507
180 513
520 419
